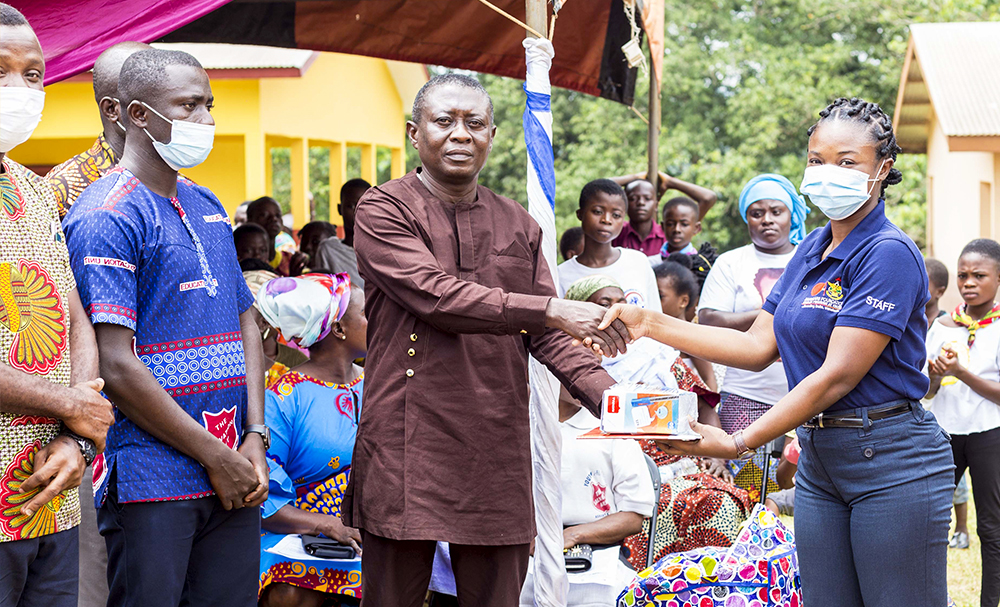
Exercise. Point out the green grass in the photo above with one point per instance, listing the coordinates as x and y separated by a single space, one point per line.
964 566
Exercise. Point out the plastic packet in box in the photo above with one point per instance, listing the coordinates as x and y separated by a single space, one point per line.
630 408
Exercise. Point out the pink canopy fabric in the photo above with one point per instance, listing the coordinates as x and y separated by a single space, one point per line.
455 33
73 34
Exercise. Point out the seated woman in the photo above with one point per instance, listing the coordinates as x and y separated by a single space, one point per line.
699 505
606 495
313 412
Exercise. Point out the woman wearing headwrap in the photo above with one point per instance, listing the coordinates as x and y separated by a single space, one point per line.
313 412
698 505
734 292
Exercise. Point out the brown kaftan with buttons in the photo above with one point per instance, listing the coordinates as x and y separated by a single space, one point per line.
456 297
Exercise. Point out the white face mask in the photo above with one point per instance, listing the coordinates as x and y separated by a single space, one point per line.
837 191
190 142
20 113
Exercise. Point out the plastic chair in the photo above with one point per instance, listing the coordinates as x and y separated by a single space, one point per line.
654 473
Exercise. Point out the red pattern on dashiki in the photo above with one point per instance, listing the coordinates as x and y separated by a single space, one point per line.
72 177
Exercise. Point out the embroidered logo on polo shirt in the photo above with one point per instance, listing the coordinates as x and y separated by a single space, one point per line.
222 425
195 284
879 304
825 296
108 261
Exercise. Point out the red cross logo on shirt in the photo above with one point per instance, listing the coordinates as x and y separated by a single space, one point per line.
601 497
222 425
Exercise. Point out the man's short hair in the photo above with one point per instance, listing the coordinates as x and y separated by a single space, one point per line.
144 73
681 201
11 16
420 101
353 185
601 185
109 65
937 272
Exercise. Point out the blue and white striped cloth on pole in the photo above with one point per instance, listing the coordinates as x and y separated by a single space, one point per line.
550 583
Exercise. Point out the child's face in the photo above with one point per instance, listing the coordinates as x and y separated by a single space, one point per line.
602 217
978 279
607 297
681 225
252 246
671 303
309 241
642 201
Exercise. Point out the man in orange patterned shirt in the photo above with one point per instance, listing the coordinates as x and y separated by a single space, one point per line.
48 429
70 178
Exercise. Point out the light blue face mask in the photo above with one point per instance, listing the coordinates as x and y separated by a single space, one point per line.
837 191
190 142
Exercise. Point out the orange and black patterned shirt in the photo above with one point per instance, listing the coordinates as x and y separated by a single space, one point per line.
72 177
35 283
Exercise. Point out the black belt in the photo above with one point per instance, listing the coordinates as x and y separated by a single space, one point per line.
851 420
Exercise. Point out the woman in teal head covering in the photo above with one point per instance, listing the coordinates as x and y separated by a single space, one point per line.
734 292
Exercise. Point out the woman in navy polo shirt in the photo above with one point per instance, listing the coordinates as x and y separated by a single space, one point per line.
847 318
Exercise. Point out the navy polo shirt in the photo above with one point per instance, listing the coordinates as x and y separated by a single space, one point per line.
875 279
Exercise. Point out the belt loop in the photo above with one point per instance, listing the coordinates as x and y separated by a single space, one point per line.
866 424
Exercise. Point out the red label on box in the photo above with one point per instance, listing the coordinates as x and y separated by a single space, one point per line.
613 406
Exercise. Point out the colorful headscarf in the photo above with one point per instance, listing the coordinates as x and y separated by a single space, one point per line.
582 289
771 186
962 318
256 279
304 309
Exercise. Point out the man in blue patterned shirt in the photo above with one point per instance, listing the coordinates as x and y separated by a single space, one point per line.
154 259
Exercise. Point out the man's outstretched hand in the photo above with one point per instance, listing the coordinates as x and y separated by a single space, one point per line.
582 320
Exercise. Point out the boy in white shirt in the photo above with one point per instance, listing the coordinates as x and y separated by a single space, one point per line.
602 212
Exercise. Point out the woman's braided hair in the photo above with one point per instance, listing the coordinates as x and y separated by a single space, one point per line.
879 125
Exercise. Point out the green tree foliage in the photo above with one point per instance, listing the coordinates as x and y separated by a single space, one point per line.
742 83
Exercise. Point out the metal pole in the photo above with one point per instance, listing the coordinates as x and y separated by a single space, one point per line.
653 132
536 15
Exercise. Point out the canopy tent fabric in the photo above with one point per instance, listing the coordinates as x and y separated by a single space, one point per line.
461 34
73 34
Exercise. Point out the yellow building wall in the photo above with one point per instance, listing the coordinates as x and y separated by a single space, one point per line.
956 209
342 100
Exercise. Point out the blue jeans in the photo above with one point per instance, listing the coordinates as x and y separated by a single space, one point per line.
872 512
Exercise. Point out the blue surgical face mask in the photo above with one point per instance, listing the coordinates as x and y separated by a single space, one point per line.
837 191
190 142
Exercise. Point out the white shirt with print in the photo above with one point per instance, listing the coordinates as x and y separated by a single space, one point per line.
958 409
632 272
740 281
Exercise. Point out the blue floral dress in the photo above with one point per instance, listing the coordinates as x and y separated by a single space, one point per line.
313 427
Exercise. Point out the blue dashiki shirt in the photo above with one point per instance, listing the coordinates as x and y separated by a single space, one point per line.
140 265
313 427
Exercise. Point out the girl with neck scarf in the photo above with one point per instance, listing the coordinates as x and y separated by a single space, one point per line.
313 412
734 292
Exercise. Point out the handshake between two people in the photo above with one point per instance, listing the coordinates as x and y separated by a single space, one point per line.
606 331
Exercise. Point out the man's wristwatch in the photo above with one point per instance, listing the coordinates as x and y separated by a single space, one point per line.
87 446
742 451
264 431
